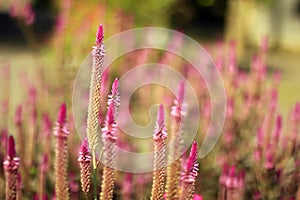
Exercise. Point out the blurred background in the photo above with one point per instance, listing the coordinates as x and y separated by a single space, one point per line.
44 42
29 28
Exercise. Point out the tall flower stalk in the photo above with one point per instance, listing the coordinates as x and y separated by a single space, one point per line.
173 170
19 126
109 137
85 162
44 167
159 136
11 167
94 99
61 133
188 177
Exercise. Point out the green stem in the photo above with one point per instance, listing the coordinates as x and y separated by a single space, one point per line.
95 175
95 184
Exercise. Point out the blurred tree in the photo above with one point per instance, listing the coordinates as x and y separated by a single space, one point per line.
206 17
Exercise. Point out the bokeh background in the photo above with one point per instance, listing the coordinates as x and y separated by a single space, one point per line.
44 42
207 21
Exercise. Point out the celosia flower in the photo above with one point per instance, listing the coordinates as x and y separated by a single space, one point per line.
232 181
234 190
61 133
222 183
18 116
159 136
295 121
85 161
269 159
127 187
173 170
94 98
277 130
230 108
109 137
114 97
11 167
189 175
197 197
44 167
46 126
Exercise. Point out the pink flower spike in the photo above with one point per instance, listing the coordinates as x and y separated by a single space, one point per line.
296 112
269 159
278 128
222 179
11 167
114 97
191 166
109 130
230 107
84 162
274 97
99 35
115 87
160 131
84 149
110 115
11 149
45 163
242 175
46 125
276 77
232 171
232 180
18 116
259 137
197 197
181 91
62 115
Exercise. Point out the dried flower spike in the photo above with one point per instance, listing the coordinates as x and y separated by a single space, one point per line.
84 162
109 137
61 133
159 136
11 166
189 175
173 170
94 98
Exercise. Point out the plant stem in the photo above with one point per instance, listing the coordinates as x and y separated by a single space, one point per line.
95 175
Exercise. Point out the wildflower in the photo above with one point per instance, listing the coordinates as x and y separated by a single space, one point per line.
173 170
189 175
61 133
11 167
94 99
159 136
85 161
109 137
